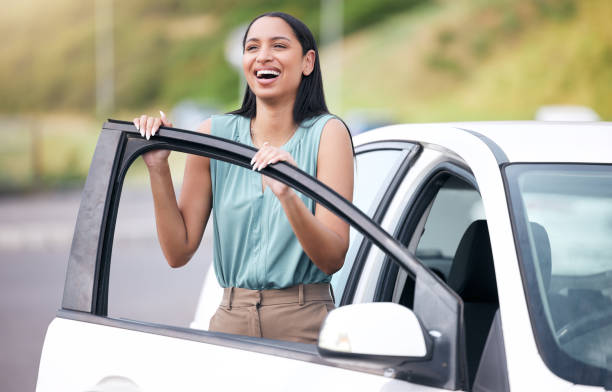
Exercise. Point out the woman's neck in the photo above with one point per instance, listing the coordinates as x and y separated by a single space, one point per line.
273 123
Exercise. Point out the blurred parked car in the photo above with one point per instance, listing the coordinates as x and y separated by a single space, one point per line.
480 260
566 113
362 120
189 114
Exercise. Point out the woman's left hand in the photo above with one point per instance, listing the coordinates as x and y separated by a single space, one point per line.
268 155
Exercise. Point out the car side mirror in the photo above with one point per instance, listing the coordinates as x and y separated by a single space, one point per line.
382 332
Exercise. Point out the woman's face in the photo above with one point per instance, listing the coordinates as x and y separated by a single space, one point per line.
273 63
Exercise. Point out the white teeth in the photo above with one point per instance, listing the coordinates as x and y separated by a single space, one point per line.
267 72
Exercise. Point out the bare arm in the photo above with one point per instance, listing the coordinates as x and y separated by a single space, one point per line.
180 225
323 236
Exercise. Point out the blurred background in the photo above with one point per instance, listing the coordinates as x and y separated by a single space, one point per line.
68 65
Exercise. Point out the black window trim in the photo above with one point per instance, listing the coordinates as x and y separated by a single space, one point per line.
119 144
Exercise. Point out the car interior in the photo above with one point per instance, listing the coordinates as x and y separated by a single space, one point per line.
568 300
454 243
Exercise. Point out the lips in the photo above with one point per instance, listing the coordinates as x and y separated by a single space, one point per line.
266 76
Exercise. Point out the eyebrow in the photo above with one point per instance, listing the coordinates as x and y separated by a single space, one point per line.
271 39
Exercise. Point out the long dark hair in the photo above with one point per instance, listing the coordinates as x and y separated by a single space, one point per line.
310 100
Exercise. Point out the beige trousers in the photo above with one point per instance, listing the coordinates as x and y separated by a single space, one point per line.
294 314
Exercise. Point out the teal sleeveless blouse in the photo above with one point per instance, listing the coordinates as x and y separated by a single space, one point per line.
254 244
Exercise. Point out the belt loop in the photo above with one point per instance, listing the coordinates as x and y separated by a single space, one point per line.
301 294
229 300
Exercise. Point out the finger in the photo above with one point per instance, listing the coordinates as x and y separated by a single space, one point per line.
276 159
164 119
136 122
143 124
258 154
253 159
265 158
149 130
285 157
156 125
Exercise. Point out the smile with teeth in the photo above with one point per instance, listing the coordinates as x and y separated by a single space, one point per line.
267 74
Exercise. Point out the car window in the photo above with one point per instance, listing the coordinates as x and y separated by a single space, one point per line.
144 288
563 218
374 171
454 208
141 285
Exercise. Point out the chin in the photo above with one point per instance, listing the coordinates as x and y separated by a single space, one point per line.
269 93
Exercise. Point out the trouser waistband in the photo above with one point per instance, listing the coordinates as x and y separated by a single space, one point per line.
239 297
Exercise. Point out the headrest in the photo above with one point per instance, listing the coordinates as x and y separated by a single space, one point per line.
542 246
472 274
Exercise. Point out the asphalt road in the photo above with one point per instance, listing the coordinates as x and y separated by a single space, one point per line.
35 237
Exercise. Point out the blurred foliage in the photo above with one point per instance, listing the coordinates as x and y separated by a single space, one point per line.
41 152
165 50
483 60
418 60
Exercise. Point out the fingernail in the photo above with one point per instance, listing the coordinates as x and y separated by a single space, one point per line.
153 133
136 125
142 132
148 137
162 113
252 160
269 162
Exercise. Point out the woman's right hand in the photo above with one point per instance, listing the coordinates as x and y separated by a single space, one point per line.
148 127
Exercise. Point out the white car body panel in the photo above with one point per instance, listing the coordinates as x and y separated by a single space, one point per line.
161 363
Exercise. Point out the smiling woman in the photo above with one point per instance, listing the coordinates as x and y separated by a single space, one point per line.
272 246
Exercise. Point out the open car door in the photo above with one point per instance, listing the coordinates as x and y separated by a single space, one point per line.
85 349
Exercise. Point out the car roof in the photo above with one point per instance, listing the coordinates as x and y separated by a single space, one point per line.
524 141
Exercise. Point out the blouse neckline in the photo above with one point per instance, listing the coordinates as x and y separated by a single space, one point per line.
289 144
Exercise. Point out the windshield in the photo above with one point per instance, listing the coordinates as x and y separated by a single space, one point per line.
563 220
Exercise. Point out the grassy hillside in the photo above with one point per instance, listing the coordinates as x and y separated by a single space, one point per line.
489 61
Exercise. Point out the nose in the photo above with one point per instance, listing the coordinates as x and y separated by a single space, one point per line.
264 54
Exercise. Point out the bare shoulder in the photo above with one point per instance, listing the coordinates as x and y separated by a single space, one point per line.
335 138
205 126
335 160
335 129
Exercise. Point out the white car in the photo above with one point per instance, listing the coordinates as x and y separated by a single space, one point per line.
480 260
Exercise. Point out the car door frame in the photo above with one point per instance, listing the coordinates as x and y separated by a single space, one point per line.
411 216
413 151
86 290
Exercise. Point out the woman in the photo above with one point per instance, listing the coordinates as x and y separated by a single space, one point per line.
274 250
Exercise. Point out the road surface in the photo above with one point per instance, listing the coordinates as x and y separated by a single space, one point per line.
35 236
